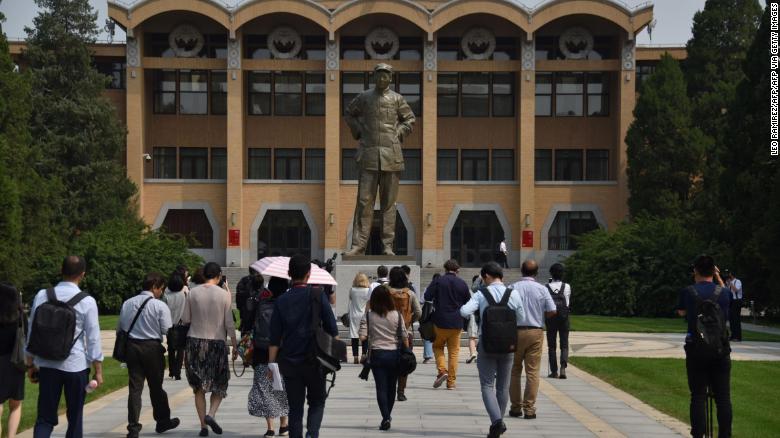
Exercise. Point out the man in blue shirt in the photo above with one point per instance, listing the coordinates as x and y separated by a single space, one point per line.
292 341
494 369
703 374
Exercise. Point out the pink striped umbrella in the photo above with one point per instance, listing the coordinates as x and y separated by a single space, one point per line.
278 267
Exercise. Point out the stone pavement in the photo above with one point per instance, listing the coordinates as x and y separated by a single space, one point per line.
581 406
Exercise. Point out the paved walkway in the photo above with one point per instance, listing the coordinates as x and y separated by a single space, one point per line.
760 328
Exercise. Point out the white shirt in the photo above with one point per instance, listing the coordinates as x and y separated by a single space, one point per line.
736 289
556 287
496 290
378 282
502 247
535 299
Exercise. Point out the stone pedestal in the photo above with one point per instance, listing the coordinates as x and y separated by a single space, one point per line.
346 267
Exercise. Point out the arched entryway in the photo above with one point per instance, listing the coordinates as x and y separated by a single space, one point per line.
283 233
475 237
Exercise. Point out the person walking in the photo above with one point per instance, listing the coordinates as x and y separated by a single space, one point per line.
428 345
734 285
291 343
381 278
707 362
146 355
472 325
537 304
264 400
503 254
11 377
358 297
494 367
560 293
248 287
407 304
175 295
381 326
448 294
208 310
71 374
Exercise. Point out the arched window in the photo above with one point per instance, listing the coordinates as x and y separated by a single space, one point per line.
283 233
568 224
475 237
190 224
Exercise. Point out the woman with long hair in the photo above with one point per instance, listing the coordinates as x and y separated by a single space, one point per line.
358 297
11 378
175 296
380 327
408 305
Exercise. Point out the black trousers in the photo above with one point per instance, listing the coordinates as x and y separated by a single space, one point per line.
146 361
304 382
557 326
175 361
51 385
735 319
717 376
355 343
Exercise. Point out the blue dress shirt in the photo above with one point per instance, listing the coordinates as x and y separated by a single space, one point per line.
153 322
495 289
536 300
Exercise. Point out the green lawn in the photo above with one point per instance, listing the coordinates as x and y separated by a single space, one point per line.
595 323
108 322
662 383
114 377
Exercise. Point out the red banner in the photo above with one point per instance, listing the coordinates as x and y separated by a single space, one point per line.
528 239
234 237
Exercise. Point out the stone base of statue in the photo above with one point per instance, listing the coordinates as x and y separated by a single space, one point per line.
347 267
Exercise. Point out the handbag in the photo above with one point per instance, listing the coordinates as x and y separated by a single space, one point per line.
18 358
120 344
367 361
328 350
407 361
177 336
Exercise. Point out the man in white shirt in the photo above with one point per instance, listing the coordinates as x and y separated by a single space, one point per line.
504 254
381 278
735 312
537 304
558 324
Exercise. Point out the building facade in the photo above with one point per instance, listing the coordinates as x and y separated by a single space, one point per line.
236 136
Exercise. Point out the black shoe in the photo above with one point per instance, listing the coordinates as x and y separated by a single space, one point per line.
496 429
269 432
283 431
173 423
177 378
385 425
204 432
132 435
562 375
515 414
553 375
401 396
530 416
212 424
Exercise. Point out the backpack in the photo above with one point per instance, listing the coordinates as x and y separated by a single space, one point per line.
710 339
261 332
560 300
403 304
54 326
499 324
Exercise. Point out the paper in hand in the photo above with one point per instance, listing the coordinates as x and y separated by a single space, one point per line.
277 377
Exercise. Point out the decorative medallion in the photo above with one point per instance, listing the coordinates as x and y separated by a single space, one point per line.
576 43
133 54
382 43
528 53
234 54
332 55
628 55
186 41
284 42
429 54
478 43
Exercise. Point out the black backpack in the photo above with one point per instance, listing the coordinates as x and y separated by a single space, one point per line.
710 339
261 332
499 324
560 301
54 326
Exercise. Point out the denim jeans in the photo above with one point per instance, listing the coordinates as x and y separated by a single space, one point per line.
304 381
384 365
428 350
495 370
717 376
51 385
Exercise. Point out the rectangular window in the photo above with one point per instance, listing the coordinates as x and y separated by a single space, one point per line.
353 47
157 45
410 87
257 47
259 164
409 48
598 94
448 48
260 93
315 94
352 84
447 164
349 170
546 47
287 164
412 165
193 163
568 94
219 92
165 92
506 49
544 94
115 72
568 164
313 47
475 92
164 160
503 163
474 164
597 165
503 94
218 163
315 164
193 92
604 47
447 94
217 45
643 72
543 165
288 93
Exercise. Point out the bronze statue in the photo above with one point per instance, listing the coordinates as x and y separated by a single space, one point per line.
379 119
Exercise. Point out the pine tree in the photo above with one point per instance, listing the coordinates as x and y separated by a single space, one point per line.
664 149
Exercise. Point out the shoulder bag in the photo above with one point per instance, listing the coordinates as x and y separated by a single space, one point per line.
367 361
18 358
120 344
407 361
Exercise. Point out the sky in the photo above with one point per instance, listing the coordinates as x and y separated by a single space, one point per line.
674 19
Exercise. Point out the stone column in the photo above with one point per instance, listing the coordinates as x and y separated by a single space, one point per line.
626 88
136 113
333 237
526 155
234 255
432 245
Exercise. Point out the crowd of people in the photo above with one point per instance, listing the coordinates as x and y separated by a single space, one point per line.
61 347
